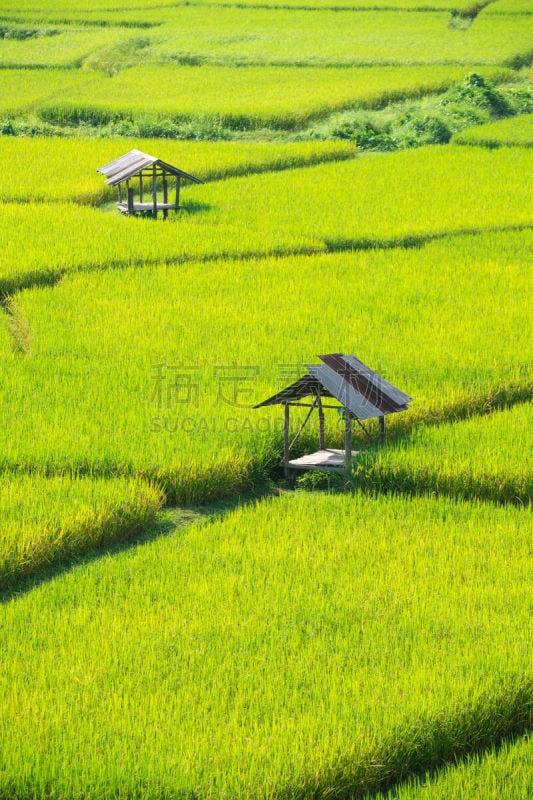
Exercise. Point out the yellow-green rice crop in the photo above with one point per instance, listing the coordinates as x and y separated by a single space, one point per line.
282 97
22 89
229 35
513 131
280 36
153 371
503 773
41 173
47 520
403 197
489 457
66 48
509 7
312 646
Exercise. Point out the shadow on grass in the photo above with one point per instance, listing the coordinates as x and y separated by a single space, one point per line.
171 520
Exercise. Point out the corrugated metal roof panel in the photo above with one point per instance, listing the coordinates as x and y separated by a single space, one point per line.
344 392
395 394
133 162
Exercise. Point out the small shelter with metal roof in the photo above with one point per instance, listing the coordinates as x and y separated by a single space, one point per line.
137 164
362 394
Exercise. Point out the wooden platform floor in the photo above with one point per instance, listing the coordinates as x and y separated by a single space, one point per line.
148 207
322 459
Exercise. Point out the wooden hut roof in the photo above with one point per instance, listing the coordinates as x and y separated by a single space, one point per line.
358 388
133 162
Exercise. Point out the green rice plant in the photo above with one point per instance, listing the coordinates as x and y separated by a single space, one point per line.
508 7
311 646
503 773
515 131
48 520
489 457
195 34
280 97
281 36
22 89
40 163
154 371
67 48
437 191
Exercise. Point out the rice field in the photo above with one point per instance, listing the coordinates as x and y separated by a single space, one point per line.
41 163
516 131
500 774
170 397
252 97
22 90
278 644
489 457
48 520
324 207
335 653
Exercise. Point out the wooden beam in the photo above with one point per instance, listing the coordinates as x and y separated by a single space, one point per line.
347 440
130 201
286 439
140 187
321 425
382 429
177 192
120 193
165 195
154 191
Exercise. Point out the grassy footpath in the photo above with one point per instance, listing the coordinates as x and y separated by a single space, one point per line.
46 521
488 457
501 774
155 370
313 645
510 132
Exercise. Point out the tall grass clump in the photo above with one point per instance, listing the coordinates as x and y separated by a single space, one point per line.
310 646
48 520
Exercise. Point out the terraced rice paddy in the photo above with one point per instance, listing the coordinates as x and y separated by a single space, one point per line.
189 422
48 520
517 131
337 674
367 640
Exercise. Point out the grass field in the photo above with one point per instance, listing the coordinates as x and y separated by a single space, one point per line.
252 97
511 132
41 161
48 520
502 774
336 653
488 457
189 424
329 206
177 618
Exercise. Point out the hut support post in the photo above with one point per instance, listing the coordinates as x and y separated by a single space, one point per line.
130 199
285 437
177 205
382 429
347 440
165 195
140 187
321 426
154 191
120 193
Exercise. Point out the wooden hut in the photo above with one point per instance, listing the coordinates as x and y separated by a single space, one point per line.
148 170
362 395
